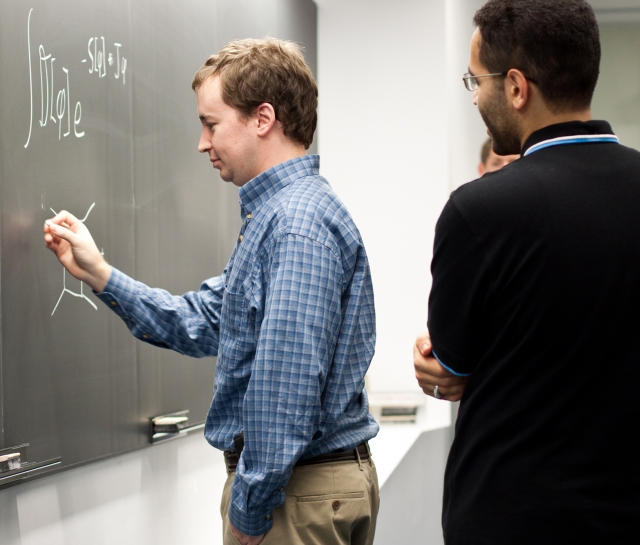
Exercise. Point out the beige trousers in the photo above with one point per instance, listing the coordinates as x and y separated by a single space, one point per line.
326 504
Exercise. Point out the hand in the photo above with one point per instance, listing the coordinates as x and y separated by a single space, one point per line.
244 539
430 373
68 238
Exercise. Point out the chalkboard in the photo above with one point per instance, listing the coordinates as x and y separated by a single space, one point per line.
98 118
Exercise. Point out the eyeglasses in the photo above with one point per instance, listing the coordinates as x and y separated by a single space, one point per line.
471 82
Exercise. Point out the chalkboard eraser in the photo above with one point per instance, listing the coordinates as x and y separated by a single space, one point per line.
9 462
170 424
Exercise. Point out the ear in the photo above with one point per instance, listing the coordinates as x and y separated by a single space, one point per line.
266 118
481 169
518 89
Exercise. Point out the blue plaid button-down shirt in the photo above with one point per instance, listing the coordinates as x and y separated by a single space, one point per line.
292 322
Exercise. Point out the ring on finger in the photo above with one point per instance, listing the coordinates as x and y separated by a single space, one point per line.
437 394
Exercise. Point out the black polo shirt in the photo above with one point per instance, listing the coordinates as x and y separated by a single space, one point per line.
536 296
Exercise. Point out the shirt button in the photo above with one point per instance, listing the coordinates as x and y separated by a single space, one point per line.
281 488
249 216
145 336
268 517
240 238
335 505
113 303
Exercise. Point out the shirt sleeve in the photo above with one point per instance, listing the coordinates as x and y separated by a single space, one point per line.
459 293
296 343
188 324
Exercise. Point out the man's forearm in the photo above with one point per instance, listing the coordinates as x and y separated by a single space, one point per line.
98 278
188 324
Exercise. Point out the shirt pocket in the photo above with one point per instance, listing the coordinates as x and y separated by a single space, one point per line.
234 314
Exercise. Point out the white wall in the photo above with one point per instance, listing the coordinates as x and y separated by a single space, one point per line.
600 5
617 96
382 142
397 132
467 131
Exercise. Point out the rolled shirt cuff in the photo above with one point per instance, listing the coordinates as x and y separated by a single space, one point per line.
252 525
119 294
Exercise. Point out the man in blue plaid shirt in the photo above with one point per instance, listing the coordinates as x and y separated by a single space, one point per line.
291 318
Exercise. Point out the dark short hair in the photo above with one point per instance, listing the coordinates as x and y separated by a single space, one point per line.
554 42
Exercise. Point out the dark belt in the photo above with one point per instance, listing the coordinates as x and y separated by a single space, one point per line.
360 453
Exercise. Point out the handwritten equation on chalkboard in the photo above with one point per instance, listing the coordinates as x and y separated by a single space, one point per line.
56 107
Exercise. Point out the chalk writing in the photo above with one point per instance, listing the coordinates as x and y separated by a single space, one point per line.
97 49
64 274
30 76
56 106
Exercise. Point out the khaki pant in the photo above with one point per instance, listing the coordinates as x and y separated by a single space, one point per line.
326 504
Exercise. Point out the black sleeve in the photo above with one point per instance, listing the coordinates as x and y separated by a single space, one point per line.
458 294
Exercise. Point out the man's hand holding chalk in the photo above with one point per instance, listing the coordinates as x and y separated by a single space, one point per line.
68 238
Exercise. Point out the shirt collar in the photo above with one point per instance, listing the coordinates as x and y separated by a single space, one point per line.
260 189
571 128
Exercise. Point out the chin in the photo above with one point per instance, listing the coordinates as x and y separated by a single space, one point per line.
506 143
226 177
232 180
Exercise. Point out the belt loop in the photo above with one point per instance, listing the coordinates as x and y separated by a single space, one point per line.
226 463
366 444
359 460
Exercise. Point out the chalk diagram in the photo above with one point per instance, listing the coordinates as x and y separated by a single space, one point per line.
64 274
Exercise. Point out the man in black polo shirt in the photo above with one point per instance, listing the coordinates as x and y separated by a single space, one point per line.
534 313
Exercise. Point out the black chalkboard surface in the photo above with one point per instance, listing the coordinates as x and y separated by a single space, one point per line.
98 118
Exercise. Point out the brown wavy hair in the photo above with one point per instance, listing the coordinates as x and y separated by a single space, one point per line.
253 72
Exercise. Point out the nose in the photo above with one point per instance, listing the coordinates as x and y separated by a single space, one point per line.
204 145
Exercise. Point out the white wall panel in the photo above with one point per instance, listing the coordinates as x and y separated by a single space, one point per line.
383 142
617 96
467 131
397 132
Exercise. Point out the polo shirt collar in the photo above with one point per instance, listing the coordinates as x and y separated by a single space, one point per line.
260 189
563 130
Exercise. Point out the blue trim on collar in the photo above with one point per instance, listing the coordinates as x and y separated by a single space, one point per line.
449 368
587 139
